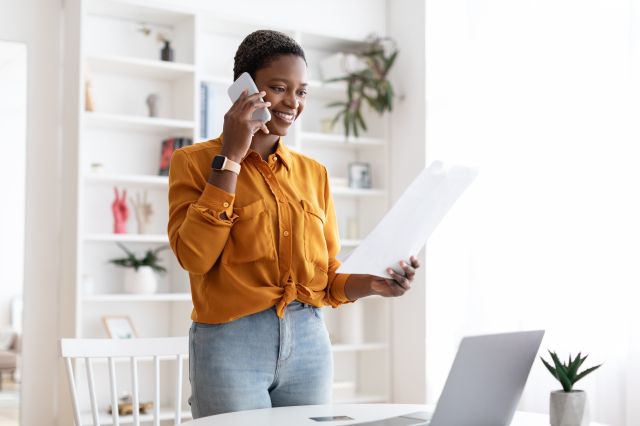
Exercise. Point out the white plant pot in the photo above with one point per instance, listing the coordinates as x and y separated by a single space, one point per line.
142 281
569 408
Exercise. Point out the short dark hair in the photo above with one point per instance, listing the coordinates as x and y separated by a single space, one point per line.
259 48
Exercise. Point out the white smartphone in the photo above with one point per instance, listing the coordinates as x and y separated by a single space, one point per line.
246 82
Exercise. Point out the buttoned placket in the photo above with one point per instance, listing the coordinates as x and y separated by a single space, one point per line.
285 246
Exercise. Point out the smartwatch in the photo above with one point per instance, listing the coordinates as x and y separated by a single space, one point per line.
220 162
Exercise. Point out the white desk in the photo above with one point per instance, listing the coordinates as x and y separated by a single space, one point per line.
296 416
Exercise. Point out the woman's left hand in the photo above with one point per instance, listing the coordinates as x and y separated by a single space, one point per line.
398 284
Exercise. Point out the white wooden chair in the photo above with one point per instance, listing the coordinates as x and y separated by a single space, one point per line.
89 349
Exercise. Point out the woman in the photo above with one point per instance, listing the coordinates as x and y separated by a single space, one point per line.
254 224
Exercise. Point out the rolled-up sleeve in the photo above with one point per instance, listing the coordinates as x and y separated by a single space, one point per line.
200 216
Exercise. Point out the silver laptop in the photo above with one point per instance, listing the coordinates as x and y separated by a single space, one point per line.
484 384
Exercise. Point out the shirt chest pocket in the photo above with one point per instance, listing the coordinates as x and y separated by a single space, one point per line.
315 244
251 236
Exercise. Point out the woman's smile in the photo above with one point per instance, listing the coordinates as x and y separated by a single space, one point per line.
287 117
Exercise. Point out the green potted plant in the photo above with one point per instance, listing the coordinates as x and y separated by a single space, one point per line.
139 273
568 407
368 85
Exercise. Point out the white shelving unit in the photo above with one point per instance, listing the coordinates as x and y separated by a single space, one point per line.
123 67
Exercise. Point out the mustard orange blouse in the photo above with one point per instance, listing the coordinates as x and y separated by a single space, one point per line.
279 241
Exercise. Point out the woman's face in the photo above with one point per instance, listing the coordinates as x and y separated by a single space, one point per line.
285 81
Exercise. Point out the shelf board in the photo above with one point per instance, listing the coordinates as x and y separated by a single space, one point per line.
156 297
358 192
216 79
341 347
332 140
106 419
146 68
343 385
312 40
126 238
141 180
334 88
130 122
132 10
350 243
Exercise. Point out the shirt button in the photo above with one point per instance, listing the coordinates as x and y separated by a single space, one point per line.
225 204
286 233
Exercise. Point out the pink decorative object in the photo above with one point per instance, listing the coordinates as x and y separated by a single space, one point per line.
120 212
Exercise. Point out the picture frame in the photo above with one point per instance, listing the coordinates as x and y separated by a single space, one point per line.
359 175
119 327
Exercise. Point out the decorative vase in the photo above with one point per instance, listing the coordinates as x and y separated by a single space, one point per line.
569 408
142 281
166 54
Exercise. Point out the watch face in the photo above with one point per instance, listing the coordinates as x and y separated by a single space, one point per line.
218 162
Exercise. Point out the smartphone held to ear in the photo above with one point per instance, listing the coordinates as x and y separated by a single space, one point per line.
246 82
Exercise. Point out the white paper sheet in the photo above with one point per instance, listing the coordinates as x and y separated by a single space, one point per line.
406 227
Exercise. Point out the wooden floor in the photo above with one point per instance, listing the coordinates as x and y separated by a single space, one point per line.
9 403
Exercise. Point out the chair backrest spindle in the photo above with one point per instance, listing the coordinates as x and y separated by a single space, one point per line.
156 396
115 415
135 396
72 387
88 349
92 391
178 388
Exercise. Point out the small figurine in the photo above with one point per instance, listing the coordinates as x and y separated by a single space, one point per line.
166 53
144 211
152 104
120 212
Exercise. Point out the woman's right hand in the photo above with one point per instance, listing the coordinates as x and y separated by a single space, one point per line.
239 127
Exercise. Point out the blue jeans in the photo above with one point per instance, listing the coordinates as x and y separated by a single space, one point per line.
260 361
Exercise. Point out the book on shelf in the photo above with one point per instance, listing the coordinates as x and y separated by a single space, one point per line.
168 147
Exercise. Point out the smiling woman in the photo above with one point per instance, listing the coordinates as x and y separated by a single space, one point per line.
13 77
255 225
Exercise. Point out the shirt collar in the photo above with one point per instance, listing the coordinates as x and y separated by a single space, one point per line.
283 153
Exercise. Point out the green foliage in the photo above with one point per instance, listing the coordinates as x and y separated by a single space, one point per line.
369 85
567 374
150 259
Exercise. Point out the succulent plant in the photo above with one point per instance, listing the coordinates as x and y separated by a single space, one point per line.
132 261
567 374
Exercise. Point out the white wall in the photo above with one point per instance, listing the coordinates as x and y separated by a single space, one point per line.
406 24
36 23
13 116
537 94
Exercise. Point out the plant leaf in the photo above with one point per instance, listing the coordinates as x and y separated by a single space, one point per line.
336 118
561 371
550 368
585 372
126 250
573 367
335 104
347 113
389 61
361 120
